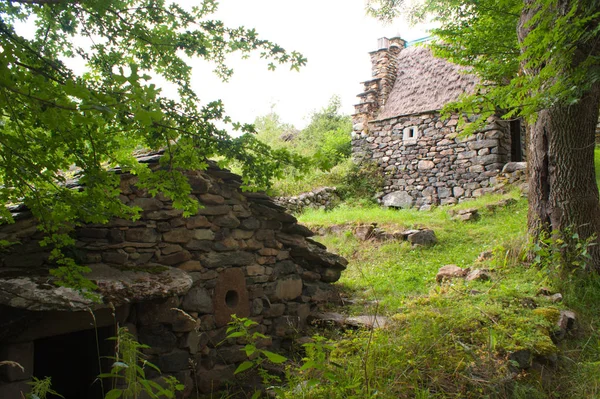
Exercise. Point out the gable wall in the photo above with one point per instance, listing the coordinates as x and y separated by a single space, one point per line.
439 167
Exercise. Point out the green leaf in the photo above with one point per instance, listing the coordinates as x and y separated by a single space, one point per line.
243 367
274 357
250 349
113 394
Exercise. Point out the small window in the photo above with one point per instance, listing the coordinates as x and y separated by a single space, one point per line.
410 133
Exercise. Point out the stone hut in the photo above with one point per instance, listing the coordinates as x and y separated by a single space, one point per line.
173 281
397 125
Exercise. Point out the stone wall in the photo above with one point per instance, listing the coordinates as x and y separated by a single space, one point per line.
426 162
175 280
321 198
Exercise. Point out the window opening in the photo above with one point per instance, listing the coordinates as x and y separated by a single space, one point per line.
410 133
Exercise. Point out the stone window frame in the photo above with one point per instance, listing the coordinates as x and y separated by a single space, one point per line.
410 134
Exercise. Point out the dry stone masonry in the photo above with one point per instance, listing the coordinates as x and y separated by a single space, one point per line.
173 281
425 160
321 198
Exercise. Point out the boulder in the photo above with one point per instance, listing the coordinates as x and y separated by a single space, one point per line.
398 199
423 237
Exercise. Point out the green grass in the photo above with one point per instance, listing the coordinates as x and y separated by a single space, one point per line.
451 340
395 269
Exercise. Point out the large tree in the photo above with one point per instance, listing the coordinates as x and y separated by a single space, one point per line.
539 60
56 121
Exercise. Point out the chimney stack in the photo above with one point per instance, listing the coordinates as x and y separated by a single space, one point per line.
384 63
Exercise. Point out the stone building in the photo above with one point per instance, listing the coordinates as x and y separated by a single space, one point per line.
173 281
397 124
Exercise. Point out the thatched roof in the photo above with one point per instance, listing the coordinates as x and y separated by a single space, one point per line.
425 83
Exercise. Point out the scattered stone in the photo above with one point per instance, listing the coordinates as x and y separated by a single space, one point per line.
485 255
478 275
465 215
364 232
449 272
327 319
423 237
368 321
514 166
528 303
556 298
566 323
501 204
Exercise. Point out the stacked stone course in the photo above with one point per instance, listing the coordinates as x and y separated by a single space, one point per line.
440 167
241 254
321 198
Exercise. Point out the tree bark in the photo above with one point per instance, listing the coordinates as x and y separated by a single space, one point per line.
563 194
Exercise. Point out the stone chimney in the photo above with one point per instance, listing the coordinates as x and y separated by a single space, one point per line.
384 63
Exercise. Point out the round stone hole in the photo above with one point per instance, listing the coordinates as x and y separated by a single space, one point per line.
232 299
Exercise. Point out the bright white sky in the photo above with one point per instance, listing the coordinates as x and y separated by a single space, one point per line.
334 35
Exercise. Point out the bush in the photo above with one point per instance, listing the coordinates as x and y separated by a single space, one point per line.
361 182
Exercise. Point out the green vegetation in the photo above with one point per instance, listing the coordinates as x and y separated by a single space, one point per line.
57 123
536 60
326 141
396 270
458 338
128 372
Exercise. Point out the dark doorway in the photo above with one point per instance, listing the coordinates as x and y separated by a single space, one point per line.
71 360
516 145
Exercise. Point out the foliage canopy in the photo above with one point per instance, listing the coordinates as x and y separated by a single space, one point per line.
57 123
482 36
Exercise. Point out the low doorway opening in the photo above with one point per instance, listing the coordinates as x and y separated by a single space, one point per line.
74 361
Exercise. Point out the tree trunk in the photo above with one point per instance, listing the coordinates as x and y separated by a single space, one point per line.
563 194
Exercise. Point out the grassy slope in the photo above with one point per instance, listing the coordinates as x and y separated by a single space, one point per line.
396 270
454 340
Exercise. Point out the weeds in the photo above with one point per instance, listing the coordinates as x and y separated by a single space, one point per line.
240 328
41 388
128 375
